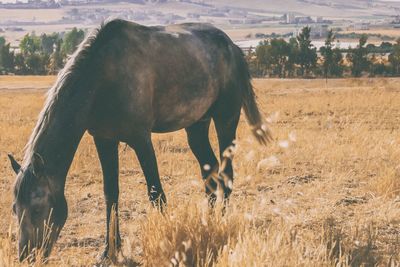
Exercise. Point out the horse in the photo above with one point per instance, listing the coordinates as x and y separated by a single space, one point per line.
124 82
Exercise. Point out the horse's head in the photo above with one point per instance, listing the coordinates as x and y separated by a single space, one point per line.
41 211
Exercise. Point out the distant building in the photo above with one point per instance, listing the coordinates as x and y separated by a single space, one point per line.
360 26
319 31
216 13
396 20
289 18
31 4
303 20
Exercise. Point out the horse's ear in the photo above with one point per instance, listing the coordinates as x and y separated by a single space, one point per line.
14 164
38 165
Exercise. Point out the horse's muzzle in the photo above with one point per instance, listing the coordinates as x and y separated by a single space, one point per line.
36 251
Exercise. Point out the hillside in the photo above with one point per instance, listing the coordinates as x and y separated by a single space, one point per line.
338 8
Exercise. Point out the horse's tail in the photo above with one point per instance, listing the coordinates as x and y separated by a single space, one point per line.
259 127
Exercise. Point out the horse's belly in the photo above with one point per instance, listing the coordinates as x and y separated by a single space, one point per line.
181 115
172 125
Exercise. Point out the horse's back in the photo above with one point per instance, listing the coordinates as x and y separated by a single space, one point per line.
165 78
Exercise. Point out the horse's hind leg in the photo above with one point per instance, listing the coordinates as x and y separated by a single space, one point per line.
147 159
108 155
226 119
199 143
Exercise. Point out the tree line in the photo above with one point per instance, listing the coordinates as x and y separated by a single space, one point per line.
297 57
276 57
39 55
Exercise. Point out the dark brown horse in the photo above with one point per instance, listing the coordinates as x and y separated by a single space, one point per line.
124 82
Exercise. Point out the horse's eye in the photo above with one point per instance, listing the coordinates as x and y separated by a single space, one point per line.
14 209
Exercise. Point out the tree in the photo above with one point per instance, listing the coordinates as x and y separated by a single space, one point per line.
30 44
2 41
358 57
34 60
293 49
71 41
336 68
48 42
278 52
44 54
36 64
6 56
327 53
263 57
378 66
332 57
56 59
272 57
19 64
307 56
394 58
386 47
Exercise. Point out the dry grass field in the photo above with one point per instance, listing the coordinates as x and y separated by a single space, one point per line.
325 192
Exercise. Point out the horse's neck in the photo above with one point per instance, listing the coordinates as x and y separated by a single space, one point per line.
59 140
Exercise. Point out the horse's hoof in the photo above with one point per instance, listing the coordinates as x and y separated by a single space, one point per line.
103 260
106 259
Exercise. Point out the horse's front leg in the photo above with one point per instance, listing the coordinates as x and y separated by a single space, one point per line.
147 158
108 155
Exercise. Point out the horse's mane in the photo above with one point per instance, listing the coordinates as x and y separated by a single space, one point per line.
66 78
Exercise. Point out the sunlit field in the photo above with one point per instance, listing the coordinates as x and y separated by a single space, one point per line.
325 192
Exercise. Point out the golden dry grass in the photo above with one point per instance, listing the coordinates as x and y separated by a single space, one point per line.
325 192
